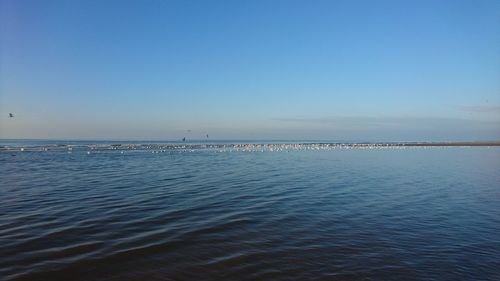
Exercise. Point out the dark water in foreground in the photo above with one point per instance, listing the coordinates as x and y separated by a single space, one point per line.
205 214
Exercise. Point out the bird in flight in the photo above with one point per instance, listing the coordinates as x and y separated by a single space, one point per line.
11 115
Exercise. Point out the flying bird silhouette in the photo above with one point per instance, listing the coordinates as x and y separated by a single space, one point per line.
11 115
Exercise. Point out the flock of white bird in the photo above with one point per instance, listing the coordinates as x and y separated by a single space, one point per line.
250 147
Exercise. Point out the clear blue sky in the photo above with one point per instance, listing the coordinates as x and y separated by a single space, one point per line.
340 70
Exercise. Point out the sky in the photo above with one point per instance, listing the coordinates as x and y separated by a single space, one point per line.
296 70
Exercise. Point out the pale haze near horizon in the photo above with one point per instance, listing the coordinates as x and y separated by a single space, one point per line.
325 70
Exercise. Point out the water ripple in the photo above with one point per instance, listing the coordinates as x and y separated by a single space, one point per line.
190 212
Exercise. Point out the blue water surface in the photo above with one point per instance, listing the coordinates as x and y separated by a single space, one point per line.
423 213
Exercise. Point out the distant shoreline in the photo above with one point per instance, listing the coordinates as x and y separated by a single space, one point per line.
195 142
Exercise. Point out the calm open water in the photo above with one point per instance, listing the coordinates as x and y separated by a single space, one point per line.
211 214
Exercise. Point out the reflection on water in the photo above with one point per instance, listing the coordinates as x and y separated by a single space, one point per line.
262 214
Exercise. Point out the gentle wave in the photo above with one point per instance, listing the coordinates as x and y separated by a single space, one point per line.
321 214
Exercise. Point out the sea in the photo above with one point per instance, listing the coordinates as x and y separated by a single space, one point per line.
95 210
